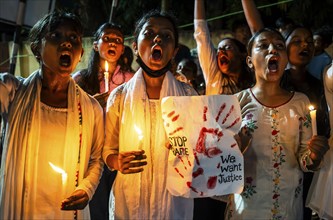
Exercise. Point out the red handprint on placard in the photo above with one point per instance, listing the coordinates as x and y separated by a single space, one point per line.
202 147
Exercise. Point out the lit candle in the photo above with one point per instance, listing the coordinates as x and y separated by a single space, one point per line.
106 76
140 136
63 175
313 120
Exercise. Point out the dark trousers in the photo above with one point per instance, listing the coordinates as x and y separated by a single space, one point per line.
207 208
99 204
307 212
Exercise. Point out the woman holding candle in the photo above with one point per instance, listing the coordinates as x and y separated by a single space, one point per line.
321 193
106 68
282 146
300 50
299 41
139 191
51 161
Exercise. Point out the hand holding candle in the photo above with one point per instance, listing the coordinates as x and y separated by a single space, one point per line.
78 200
106 77
318 146
313 120
134 160
131 161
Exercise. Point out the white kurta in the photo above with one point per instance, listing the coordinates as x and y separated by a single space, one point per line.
52 137
36 135
143 195
275 159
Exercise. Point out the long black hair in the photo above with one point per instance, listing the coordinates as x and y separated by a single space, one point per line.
89 77
48 24
246 78
157 14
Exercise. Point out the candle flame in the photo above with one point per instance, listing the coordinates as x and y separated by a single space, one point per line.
311 108
61 171
106 66
138 130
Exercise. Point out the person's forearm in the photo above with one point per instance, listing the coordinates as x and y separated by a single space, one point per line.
252 15
199 9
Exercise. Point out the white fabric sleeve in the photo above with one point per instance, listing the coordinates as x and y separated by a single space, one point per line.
111 144
206 51
8 86
95 165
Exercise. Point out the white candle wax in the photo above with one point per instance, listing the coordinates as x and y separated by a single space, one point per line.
106 77
140 136
106 80
313 120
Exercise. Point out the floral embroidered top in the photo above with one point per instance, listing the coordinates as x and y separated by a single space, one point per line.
275 159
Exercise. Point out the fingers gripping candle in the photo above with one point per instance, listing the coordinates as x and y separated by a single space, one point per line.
313 120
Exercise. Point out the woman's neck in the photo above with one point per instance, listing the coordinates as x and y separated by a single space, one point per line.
270 94
55 82
54 91
233 76
266 88
153 85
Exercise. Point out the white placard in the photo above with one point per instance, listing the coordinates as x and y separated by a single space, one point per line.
204 158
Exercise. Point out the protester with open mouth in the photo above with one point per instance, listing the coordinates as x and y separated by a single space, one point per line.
51 161
108 46
282 145
139 191
300 50
225 70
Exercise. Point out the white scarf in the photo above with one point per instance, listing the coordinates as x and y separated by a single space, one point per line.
134 110
20 145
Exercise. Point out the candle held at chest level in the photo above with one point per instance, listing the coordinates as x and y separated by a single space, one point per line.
313 120
140 136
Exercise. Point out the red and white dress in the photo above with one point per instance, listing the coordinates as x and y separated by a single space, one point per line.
275 159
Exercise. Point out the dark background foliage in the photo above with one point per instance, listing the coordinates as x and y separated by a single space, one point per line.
313 13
